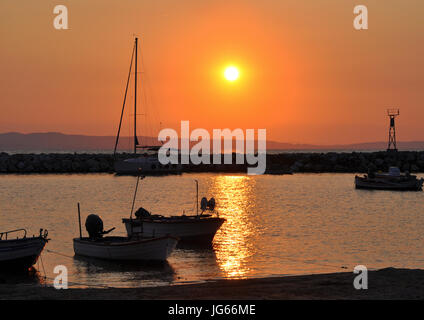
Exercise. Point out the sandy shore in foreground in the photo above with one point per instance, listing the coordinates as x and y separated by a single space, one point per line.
387 283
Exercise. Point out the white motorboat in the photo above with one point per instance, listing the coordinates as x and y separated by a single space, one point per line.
126 249
198 228
20 254
392 180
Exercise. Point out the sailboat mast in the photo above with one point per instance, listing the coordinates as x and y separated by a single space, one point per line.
123 104
135 97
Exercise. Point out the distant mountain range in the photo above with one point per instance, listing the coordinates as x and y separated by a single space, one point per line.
53 141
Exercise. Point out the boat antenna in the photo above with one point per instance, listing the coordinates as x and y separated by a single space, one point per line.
139 177
123 104
79 220
197 197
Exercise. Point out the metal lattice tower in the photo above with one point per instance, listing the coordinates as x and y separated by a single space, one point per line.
392 113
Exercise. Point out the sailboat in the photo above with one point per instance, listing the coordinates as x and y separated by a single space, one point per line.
146 162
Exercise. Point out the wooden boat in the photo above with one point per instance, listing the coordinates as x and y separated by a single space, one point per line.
393 180
20 254
134 248
194 228
126 249
147 161
199 228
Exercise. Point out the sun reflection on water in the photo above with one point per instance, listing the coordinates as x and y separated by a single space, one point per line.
233 243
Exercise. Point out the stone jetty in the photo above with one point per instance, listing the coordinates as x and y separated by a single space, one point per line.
412 161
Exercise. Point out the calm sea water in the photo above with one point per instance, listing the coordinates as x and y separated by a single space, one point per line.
276 225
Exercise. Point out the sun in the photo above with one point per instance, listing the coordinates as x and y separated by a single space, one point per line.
231 73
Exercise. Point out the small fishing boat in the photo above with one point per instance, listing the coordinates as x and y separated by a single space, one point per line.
199 228
194 228
392 180
135 248
126 249
20 253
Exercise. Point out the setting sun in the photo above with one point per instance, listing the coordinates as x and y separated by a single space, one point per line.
231 73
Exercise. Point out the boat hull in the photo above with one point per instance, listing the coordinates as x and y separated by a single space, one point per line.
192 230
384 184
147 165
20 254
153 249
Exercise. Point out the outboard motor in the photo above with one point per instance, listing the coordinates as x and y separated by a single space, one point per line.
94 226
142 213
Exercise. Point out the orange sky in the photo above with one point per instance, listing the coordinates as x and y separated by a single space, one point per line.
306 75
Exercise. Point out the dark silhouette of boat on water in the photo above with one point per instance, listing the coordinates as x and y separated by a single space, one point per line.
195 229
20 253
392 180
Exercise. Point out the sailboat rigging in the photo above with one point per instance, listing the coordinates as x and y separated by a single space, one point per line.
125 98
134 58
147 163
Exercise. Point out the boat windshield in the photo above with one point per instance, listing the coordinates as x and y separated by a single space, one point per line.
394 171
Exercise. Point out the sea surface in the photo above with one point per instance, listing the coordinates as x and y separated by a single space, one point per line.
276 225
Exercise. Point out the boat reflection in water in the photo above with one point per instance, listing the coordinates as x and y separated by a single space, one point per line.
34 275
234 242
119 274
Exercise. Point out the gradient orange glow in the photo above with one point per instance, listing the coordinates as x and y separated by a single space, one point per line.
306 75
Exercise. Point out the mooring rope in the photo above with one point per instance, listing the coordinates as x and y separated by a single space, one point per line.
71 282
42 264
61 254
317 263
85 284
287 258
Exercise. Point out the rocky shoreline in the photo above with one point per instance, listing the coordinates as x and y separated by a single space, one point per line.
412 161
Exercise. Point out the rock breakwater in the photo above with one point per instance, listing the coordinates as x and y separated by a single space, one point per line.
412 161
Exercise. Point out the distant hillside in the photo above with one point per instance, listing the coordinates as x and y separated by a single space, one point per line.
374 146
53 141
